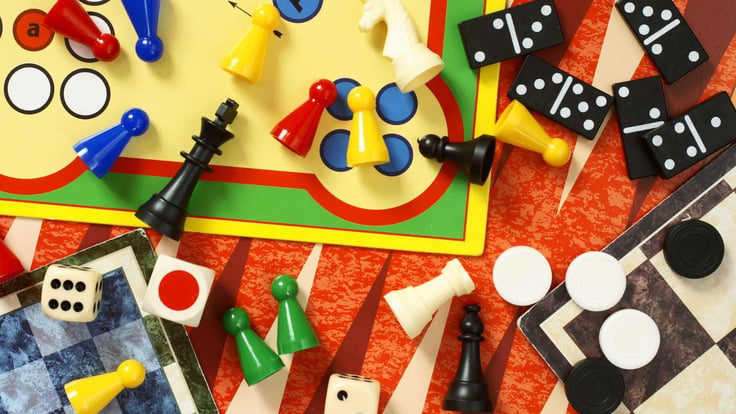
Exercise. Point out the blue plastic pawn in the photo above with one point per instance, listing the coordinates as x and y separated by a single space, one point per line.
101 150
144 15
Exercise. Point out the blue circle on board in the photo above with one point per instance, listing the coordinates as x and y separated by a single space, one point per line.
334 150
339 109
400 154
394 106
298 11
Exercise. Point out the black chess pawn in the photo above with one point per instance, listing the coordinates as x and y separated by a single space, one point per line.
473 157
166 211
468 392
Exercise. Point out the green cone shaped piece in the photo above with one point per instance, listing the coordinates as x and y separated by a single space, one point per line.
295 333
257 360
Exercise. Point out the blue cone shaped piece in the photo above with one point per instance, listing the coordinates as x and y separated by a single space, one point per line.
100 151
144 16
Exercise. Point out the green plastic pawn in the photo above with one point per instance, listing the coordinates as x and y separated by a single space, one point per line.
257 360
295 332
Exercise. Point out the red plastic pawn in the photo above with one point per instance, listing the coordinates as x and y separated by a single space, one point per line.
297 129
10 266
69 19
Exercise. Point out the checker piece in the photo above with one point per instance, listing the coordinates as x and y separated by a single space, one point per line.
694 249
595 281
594 386
629 338
522 275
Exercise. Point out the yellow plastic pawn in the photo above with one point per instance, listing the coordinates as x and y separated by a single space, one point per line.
517 127
247 57
366 145
90 395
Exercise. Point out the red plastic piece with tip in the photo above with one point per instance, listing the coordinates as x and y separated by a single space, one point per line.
69 19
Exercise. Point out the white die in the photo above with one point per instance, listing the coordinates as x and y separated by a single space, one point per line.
178 290
71 293
352 394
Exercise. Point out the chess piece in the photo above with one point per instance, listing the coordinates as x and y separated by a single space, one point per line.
90 395
68 18
516 126
257 360
414 306
245 60
144 16
474 157
101 150
10 266
166 211
414 64
365 145
468 392
294 331
296 131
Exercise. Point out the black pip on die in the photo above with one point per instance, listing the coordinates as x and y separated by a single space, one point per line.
71 293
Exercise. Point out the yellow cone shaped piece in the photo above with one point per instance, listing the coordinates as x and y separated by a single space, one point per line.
517 127
90 395
365 145
247 57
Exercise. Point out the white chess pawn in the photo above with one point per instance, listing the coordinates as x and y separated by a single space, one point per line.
414 64
414 306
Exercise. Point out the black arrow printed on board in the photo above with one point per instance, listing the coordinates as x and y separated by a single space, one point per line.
276 32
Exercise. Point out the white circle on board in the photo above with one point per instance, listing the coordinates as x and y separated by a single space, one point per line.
479 56
546 10
583 107
596 281
588 124
657 48
657 140
691 151
647 11
629 339
601 101
537 27
715 122
522 275
82 52
528 43
623 92
539 84
679 127
85 93
629 7
693 56
498 23
565 112
521 89
557 78
654 113
644 30
669 164
666 14
29 88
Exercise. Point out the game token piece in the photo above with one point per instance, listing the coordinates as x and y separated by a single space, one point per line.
257 360
352 394
594 386
144 16
294 330
90 395
522 275
10 266
468 392
629 339
166 211
596 281
474 157
365 146
296 131
68 18
71 293
517 127
101 150
414 64
414 306
246 59
694 249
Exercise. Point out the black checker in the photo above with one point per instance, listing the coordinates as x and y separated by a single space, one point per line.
694 249
595 386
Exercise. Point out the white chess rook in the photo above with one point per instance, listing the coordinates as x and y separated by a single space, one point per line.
414 306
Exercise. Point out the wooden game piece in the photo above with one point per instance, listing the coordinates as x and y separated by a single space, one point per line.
515 31
683 141
100 151
560 96
166 211
90 395
295 333
414 64
144 16
352 394
68 18
365 145
178 290
516 126
665 35
640 107
246 59
474 157
10 266
296 131
468 392
71 293
629 339
522 275
693 249
414 306
595 386
596 281
257 360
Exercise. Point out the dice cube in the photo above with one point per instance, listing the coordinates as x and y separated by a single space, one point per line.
71 293
352 394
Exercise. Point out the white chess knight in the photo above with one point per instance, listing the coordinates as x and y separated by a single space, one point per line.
414 64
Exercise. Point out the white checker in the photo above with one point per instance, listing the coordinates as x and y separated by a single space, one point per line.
629 339
596 281
522 275
71 293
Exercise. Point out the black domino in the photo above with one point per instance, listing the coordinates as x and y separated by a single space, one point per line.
560 96
516 31
641 107
665 35
689 138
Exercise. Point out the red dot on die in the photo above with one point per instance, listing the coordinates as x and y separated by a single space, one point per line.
178 290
